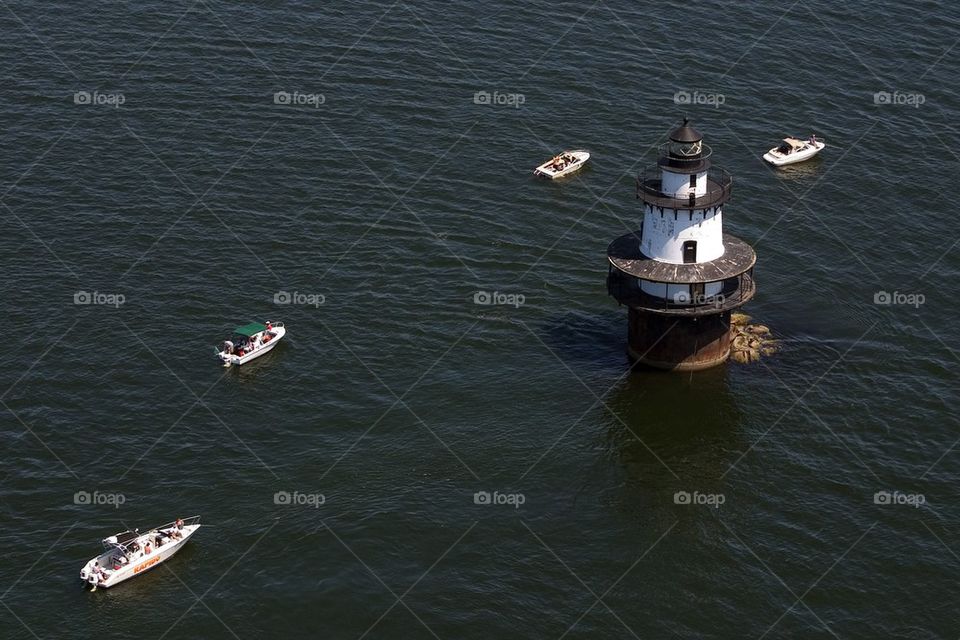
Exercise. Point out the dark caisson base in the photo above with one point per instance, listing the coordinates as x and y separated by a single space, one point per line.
678 343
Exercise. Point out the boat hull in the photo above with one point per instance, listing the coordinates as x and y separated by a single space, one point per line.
232 358
780 160
546 171
140 565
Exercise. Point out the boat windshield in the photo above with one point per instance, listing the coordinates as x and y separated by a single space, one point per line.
121 540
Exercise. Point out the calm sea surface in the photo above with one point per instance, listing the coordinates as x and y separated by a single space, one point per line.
189 167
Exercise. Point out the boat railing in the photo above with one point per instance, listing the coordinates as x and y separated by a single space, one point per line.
186 521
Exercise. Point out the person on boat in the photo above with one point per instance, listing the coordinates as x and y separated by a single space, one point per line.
179 523
813 138
147 549
269 326
228 347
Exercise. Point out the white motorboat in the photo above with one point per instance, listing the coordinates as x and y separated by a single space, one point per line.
250 341
793 150
563 164
131 553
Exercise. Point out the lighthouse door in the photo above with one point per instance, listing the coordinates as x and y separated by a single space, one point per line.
689 251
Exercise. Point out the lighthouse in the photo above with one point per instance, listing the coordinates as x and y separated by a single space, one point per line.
679 275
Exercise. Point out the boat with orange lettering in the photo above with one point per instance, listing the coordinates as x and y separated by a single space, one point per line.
131 553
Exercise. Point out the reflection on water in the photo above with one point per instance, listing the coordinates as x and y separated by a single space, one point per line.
802 170
255 369
687 420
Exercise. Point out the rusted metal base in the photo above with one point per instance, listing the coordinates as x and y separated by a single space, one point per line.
678 343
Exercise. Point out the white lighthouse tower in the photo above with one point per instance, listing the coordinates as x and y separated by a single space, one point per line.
680 274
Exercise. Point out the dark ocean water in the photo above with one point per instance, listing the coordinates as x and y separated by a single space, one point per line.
184 187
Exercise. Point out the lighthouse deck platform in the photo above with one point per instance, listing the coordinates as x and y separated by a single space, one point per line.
624 255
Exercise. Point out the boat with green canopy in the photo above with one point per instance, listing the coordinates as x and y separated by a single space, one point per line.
250 341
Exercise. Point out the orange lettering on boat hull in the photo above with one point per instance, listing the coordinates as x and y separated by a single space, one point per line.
146 565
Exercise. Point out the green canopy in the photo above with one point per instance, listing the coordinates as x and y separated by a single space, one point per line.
250 329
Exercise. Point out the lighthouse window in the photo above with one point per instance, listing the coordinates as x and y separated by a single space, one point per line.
693 181
689 251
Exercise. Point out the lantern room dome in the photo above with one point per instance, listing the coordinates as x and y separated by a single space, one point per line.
685 151
685 133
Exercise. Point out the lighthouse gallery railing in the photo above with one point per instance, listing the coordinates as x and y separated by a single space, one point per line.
650 190
736 291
